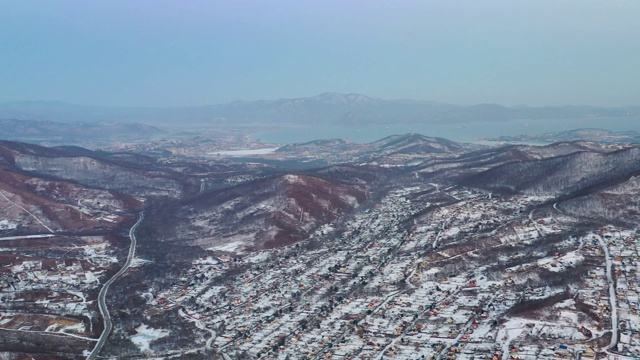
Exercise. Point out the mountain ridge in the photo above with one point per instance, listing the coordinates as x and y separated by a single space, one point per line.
326 108
66 133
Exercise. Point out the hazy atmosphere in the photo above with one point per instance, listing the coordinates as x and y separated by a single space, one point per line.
319 179
183 53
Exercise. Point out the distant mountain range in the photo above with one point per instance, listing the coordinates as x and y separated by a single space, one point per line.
74 133
326 108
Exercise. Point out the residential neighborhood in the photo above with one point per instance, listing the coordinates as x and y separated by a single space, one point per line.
399 282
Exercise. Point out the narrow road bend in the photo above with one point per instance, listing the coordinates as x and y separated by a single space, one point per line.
104 311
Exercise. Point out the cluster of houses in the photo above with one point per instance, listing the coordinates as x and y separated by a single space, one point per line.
52 286
192 145
624 250
396 281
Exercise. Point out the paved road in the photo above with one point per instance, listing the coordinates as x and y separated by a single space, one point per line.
612 295
40 236
555 206
103 292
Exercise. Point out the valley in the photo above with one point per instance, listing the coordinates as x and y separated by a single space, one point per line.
319 180
409 247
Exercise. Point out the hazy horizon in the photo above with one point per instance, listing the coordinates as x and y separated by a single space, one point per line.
62 102
165 53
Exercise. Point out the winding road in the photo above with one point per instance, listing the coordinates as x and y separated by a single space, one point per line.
555 206
105 288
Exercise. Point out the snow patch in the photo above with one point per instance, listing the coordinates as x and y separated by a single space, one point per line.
293 179
8 225
146 335
245 152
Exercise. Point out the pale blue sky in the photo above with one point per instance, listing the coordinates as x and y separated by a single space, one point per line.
160 52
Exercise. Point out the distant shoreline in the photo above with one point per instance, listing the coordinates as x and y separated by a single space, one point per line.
263 151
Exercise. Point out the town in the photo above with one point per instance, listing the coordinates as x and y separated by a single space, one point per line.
427 273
